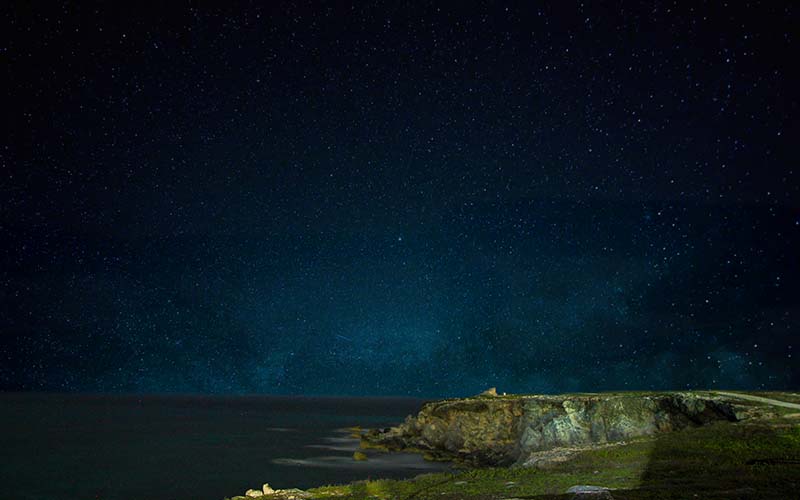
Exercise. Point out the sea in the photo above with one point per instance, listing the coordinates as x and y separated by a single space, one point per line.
186 447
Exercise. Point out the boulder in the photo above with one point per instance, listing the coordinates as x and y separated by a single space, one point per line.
254 493
267 489
492 391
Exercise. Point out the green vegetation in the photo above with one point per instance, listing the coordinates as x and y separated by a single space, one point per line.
359 456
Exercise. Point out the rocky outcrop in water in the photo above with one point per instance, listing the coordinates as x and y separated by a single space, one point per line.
505 430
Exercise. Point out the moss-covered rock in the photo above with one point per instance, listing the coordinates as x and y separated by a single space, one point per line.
486 430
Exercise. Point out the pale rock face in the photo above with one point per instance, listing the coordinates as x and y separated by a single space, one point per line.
586 422
254 493
267 489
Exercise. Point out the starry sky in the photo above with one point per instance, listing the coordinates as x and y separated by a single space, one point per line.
391 198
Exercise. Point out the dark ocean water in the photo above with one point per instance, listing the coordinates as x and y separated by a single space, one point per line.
187 447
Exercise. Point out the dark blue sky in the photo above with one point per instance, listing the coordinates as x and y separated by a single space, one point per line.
314 198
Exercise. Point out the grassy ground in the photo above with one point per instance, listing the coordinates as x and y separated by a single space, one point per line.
719 461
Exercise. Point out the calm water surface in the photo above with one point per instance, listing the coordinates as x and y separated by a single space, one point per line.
81 447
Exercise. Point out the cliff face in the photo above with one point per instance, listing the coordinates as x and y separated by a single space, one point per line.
506 430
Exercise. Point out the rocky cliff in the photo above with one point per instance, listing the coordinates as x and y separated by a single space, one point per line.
505 430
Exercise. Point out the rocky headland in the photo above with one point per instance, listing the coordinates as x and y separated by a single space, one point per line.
492 429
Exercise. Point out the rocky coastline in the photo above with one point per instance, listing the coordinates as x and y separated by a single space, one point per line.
498 430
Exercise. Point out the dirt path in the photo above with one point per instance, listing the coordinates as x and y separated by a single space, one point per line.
759 399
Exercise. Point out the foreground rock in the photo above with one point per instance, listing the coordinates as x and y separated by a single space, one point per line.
500 430
267 493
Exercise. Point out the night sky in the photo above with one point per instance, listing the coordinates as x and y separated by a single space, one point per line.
398 198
